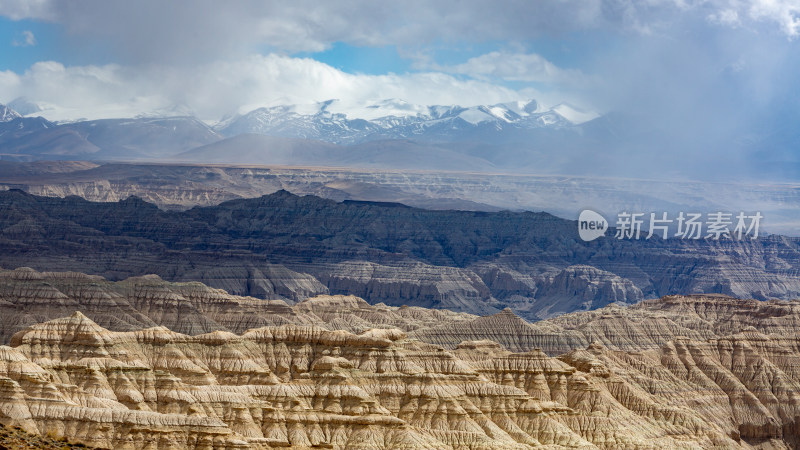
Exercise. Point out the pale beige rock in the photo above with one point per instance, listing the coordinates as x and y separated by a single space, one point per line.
306 386
183 371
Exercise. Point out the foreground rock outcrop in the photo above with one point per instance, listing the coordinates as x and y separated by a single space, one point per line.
145 363
304 386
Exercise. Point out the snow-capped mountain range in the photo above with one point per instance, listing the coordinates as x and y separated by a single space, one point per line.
384 134
522 137
396 119
338 122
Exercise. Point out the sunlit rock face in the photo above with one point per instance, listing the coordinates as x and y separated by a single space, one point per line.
337 372
304 386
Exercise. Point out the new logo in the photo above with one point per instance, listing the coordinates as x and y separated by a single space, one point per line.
591 225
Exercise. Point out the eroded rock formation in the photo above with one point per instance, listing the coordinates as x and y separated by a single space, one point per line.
285 247
304 386
192 366
28 297
647 325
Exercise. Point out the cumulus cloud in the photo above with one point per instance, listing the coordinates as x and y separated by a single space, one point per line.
784 13
152 30
224 87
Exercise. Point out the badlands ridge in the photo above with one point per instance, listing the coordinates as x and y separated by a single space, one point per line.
144 363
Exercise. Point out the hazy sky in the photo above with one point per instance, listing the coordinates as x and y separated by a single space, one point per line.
716 65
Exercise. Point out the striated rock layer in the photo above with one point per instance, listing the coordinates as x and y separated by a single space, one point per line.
285 247
303 386
647 325
144 363
28 297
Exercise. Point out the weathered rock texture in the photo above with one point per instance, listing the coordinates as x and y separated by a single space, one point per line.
290 248
18 439
191 366
28 297
647 325
304 386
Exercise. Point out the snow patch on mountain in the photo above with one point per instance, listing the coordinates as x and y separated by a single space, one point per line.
24 106
7 114
476 116
574 114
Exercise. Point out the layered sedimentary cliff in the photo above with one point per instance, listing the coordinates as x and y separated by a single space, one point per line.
647 325
290 248
193 366
28 297
305 386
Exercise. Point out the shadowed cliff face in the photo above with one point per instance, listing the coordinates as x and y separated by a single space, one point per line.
302 384
287 247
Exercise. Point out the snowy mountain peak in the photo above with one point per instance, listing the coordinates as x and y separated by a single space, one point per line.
7 114
342 123
531 107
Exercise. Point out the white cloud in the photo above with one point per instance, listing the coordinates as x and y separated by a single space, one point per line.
199 57
784 13
26 9
214 89
728 17
9 81
27 40
516 67
153 30
206 30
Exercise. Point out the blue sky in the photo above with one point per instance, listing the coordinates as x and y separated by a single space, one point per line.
674 62
18 56
367 60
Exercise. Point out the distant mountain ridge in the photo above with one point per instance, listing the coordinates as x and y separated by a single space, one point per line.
395 135
36 138
513 137
397 120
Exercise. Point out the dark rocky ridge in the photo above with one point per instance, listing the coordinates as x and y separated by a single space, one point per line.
183 186
282 246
